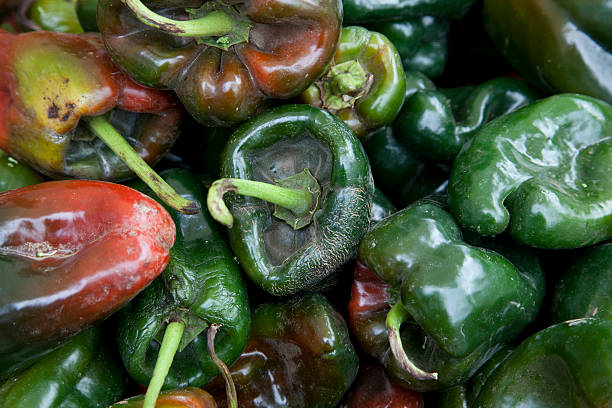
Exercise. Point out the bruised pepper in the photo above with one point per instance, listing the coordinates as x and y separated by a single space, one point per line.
300 195
223 59
68 112
71 253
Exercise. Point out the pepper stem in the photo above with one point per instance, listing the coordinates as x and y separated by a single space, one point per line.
300 196
230 388
215 23
109 135
169 346
395 317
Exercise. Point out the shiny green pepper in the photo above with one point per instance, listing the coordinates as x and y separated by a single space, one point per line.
15 175
65 16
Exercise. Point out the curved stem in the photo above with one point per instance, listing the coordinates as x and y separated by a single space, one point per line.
105 131
215 23
299 201
395 317
230 388
169 346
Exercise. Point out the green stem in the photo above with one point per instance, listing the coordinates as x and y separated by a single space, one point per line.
169 346
105 131
395 317
215 23
299 201
230 388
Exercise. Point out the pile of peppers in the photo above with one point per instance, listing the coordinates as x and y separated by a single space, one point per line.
289 203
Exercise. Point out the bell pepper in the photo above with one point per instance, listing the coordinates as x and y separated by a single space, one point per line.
564 366
16 175
374 389
365 83
299 355
65 16
322 194
183 398
82 373
226 59
584 289
544 172
71 253
557 45
201 286
382 207
460 303
362 11
50 81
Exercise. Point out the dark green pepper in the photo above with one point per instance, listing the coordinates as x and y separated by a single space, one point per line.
82 373
299 355
548 164
16 175
460 303
361 11
278 146
202 285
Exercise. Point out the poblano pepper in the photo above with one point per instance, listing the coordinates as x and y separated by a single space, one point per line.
82 373
361 11
322 195
201 286
458 303
224 59
16 175
543 172
183 398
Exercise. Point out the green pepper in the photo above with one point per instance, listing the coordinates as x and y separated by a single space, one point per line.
299 355
323 196
544 172
16 175
568 365
460 303
584 289
201 286
558 45
364 85
65 16
362 11
82 373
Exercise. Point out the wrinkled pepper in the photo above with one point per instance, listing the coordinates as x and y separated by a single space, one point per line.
68 112
201 286
72 16
226 59
299 355
16 175
322 196
557 45
183 398
71 253
459 303
365 83
543 172
362 11
584 289
82 373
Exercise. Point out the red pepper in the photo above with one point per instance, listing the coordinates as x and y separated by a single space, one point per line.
71 253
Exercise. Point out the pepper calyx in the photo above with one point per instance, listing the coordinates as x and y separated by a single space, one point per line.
304 181
343 85
241 25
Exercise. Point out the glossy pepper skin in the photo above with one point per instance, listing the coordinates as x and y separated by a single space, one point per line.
564 366
543 172
361 11
281 143
201 285
49 81
71 253
584 289
299 355
82 373
557 45
463 302
183 398
72 16
289 47
369 98
16 175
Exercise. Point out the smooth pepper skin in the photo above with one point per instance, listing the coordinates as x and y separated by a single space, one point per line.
72 16
299 355
71 253
183 398
16 175
82 373
361 11
280 143
383 94
584 289
289 47
557 45
564 366
464 301
201 285
48 81
543 172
